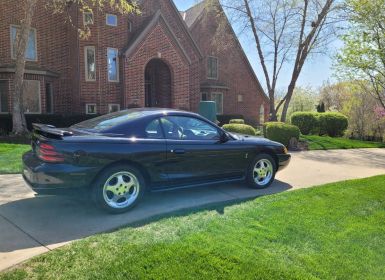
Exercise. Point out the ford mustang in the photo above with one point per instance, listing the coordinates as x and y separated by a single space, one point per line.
117 157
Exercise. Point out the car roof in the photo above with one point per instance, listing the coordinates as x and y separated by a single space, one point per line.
161 111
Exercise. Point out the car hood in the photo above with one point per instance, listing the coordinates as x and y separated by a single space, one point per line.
255 139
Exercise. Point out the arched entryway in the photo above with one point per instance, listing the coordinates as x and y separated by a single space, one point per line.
157 84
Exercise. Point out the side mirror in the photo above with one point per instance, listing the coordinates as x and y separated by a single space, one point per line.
224 137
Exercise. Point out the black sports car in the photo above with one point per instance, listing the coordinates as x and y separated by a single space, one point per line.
119 156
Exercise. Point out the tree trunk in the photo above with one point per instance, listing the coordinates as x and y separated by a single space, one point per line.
18 118
289 95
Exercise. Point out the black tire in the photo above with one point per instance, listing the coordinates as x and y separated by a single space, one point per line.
250 178
131 175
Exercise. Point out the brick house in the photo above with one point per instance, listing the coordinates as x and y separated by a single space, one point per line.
161 58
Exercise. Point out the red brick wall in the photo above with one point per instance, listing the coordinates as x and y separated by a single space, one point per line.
53 48
233 69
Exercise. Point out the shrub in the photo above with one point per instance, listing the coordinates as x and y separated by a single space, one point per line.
238 121
239 128
281 132
332 124
307 122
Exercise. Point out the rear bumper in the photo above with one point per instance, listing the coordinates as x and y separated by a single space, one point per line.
283 161
45 177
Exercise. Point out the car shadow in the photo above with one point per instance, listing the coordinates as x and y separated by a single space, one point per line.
53 220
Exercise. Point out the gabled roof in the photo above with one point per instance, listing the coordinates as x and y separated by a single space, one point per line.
148 26
191 17
192 14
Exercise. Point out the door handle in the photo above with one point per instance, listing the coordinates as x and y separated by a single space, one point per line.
178 152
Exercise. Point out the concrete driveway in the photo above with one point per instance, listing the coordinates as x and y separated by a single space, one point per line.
32 225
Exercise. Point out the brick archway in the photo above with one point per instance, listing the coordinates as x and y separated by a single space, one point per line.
158 84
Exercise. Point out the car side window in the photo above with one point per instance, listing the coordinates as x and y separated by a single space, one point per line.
188 128
153 130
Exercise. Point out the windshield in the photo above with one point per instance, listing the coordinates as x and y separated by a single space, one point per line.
105 122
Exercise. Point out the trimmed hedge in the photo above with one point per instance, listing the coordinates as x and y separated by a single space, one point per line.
238 121
239 128
332 124
307 122
281 132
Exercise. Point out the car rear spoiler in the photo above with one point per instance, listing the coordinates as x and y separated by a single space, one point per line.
50 130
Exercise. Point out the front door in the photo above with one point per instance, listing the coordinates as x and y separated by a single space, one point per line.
157 84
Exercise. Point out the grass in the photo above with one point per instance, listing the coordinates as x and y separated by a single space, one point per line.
331 232
10 157
327 143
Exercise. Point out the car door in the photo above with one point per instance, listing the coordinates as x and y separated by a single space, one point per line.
195 153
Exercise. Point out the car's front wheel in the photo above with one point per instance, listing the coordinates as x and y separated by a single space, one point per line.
261 172
118 189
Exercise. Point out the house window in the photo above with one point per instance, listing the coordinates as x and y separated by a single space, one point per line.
91 109
261 114
218 98
112 62
205 96
88 18
240 98
48 98
31 97
90 66
111 20
30 52
129 26
212 67
113 108
4 94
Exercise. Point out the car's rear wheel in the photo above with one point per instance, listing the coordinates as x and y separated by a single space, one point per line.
119 188
261 172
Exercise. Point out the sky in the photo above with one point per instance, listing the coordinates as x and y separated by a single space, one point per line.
315 72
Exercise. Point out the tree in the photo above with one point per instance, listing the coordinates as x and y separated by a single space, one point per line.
286 33
56 6
363 56
304 100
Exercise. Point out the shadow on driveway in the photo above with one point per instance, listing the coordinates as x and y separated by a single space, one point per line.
52 220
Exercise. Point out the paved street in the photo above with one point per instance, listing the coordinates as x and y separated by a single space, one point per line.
32 225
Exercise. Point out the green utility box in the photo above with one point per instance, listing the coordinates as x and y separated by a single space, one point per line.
208 109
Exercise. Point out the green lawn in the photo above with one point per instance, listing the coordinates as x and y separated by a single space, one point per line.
331 232
327 143
10 157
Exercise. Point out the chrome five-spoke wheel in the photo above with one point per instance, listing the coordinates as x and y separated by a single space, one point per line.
121 189
263 172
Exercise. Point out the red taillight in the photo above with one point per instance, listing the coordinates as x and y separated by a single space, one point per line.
48 153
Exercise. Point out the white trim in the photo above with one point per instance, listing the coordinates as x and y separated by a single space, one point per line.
9 96
10 35
212 98
113 104
91 104
113 16
84 18
86 63
117 66
207 68
240 98
262 114
39 95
